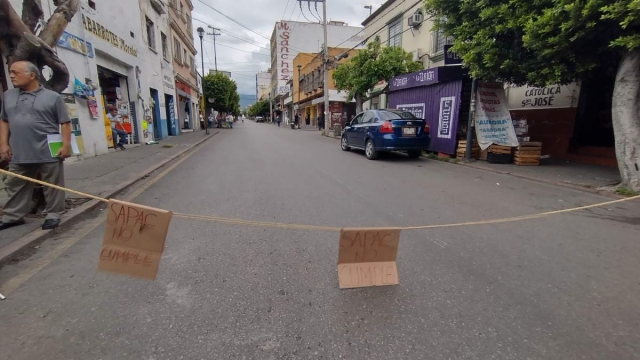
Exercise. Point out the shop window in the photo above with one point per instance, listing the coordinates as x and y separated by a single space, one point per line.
395 33
177 50
151 34
165 49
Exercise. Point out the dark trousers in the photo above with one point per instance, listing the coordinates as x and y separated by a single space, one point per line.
20 191
122 136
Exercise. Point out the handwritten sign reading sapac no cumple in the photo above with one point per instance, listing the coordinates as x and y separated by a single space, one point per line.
133 240
367 257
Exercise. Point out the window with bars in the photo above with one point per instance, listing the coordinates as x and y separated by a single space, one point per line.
165 48
177 50
395 33
151 34
440 40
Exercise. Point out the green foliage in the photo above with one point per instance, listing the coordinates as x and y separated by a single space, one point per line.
626 192
362 72
538 42
261 108
224 91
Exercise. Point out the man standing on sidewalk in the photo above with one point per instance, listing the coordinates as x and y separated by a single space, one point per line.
30 113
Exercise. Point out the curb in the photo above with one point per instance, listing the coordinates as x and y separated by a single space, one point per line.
37 236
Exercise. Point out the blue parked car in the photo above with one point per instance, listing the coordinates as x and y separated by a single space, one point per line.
381 130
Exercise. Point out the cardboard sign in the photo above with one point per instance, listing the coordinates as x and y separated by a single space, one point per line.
133 239
367 257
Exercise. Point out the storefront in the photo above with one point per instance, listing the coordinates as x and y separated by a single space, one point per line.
185 106
439 95
114 89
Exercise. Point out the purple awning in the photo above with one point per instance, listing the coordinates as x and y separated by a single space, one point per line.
426 77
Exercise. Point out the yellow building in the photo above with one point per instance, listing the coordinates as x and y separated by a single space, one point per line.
308 91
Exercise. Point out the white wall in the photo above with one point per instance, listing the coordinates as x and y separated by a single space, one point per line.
290 38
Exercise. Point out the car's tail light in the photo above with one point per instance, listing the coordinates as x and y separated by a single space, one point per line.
386 127
426 129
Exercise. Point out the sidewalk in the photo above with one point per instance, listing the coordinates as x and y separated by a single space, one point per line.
107 174
557 172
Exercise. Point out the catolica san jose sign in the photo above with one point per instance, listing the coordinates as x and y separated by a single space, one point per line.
103 33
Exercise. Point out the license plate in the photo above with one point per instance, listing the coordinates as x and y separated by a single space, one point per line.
409 131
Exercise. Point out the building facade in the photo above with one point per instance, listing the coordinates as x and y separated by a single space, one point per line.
103 47
263 85
291 37
184 67
404 24
154 18
308 90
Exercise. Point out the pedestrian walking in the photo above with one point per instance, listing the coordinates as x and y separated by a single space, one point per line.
278 119
230 121
296 121
118 133
201 121
30 113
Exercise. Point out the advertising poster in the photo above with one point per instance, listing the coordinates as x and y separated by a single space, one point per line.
493 120
72 110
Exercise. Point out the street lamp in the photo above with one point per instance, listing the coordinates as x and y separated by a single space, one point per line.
370 7
201 35
298 109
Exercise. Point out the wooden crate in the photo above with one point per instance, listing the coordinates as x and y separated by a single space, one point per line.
462 149
497 149
528 154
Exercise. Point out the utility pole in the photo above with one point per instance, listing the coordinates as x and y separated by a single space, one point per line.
215 52
204 112
327 114
370 7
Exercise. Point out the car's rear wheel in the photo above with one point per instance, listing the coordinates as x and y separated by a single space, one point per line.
414 154
344 144
370 151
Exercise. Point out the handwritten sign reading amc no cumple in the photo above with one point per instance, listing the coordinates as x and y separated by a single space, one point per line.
133 240
367 257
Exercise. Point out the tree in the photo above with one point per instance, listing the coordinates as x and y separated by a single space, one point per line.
224 91
549 42
260 108
361 73
18 42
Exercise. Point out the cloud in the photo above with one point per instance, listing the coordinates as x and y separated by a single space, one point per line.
245 53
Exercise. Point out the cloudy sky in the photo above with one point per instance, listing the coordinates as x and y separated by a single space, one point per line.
243 52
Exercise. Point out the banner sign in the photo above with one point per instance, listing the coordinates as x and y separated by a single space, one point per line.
74 43
451 58
447 108
493 120
133 241
367 257
416 109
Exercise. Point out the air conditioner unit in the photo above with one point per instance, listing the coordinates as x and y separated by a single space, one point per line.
415 20
416 55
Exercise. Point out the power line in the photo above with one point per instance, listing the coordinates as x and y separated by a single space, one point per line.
231 47
311 12
377 31
234 20
252 42
293 9
285 10
378 19
302 12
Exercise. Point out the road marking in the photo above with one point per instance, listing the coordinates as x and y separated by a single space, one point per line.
24 276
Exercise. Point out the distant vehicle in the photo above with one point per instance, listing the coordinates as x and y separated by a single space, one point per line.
383 130
259 119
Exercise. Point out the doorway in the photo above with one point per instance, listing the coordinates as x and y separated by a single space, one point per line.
115 93
155 113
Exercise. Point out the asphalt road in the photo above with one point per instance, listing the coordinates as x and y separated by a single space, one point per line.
561 287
